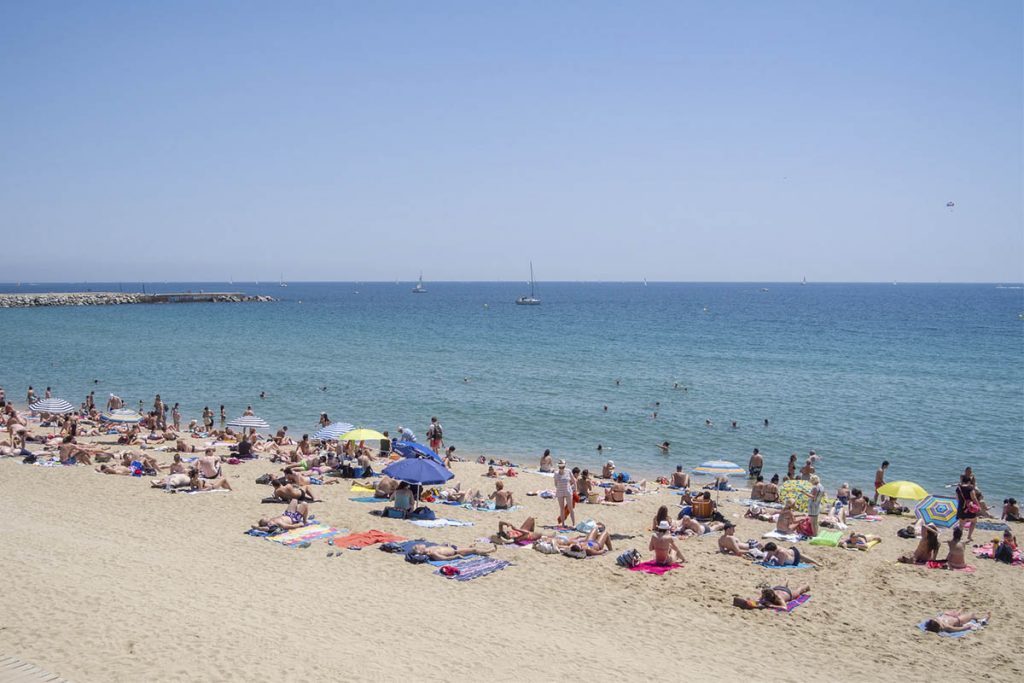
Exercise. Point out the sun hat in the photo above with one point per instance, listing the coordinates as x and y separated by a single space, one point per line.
561 463
611 463
663 525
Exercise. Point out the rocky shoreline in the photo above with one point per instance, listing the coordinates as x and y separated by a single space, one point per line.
120 298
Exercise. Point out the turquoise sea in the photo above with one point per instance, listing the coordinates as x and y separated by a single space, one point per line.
928 376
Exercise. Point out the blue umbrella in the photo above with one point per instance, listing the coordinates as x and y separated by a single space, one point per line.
418 471
411 449
332 431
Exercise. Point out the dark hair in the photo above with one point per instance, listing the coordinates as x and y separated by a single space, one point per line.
932 625
775 478
760 477
885 463
931 536
576 470
547 451
770 547
957 533
857 493
965 479
661 515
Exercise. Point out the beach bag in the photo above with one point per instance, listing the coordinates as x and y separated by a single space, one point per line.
628 559
804 527
972 507
413 558
546 547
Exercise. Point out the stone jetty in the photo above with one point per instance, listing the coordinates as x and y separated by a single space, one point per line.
118 298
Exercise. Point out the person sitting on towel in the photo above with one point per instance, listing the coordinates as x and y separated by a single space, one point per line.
502 498
787 520
403 499
728 544
927 548
663 545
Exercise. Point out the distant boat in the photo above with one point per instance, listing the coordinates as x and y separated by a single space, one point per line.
645 282
531 300
764 289
805 281
419 288
283 283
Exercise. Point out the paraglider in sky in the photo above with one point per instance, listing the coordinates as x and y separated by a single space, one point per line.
950 205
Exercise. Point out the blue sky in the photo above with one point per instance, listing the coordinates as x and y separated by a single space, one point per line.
604 141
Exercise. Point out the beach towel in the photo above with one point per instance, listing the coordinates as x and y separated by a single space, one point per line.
779 536
356 488
942 565
959 634
192 493
750 502
305 534
650 567
535 471
867 518
439 522
829 538
992 526
369 499
793 604
988 550
867 546
469 569
802 565
364 539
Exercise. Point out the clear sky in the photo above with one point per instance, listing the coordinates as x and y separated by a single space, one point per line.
761 141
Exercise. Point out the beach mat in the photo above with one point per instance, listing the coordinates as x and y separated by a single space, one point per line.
988 549
867 546
356 488
469 569
802 565
438 523
364 539
649 567
489 507
958 634
829 538
992 526
779 536
369 499
13 669
969 569
793 604
305 534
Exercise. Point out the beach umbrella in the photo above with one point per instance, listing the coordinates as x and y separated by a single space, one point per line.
411 449
332 431
937 510
248 422
122 416
797 489
418 471
52 406
907 490
362 435
715 468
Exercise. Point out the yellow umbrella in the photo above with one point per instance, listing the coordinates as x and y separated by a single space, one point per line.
365 435
906 490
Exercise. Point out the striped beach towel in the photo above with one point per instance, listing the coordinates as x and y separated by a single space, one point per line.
470 569
304 534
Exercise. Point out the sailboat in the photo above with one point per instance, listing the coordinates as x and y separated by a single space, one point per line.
419 288
531 300
283 283
804 281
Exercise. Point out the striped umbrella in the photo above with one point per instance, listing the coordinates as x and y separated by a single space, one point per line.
121 416
937 510
332 431
717 467
248 422
52 406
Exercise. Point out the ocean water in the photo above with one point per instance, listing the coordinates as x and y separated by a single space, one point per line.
929 377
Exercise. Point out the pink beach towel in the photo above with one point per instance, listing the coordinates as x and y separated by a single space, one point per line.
649 567
793 604
969 569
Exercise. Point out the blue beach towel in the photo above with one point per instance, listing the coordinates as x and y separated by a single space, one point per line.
802 565
368 499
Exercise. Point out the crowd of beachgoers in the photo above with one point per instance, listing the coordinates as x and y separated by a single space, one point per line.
794 506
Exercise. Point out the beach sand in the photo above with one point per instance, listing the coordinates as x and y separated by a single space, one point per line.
109 580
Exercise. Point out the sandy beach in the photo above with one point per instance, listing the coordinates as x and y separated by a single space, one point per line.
110 580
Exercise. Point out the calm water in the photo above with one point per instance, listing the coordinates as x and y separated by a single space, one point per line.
929 377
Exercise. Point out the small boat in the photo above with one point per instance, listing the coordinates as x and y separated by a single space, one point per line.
419 288
531 300
805 281
764 289
283 283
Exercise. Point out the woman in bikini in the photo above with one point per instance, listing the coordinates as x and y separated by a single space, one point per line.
771 597
507 533
787 521
955 621
691 527
786 558
927 549
449 552
860 541
293 517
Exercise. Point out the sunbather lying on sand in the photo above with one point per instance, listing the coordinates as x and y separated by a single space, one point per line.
174 480
778 596
507 533
115 469
287 492
955 621
856 540
450 552
296 515
597 542
202 484
784 557
691 527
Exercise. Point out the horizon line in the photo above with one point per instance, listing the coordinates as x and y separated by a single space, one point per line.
514 281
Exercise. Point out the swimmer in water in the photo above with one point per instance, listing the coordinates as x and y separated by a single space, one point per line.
600 448
766 422
664 447
708 423
616 382
263 394
606 409
734 425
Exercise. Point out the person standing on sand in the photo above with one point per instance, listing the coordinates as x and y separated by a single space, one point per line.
30 397
815 496
223 417
880 481
176 418
565 487
158 409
